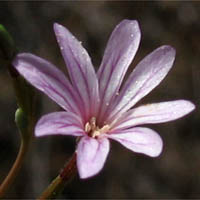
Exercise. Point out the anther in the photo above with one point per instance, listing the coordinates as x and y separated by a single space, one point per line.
87 127
93 123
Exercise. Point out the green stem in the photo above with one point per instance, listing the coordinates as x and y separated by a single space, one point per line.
14 170
59 182
26 114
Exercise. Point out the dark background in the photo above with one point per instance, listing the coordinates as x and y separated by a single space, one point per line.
176 172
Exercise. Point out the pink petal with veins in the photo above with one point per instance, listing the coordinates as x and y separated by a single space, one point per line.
154 113
91 155
80 69
59 123
144 78
140 140
120 51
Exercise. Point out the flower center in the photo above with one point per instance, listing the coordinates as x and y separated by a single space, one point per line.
93 130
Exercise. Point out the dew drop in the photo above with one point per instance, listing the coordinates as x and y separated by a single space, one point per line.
107 104
117 93
61 48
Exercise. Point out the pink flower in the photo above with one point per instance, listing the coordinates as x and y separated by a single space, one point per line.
97 106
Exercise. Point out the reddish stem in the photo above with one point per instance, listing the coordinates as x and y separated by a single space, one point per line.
59 182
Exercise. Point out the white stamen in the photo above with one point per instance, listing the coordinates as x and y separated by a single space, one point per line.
93 130
87 127
104 128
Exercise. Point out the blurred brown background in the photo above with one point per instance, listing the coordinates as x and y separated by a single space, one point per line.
174 174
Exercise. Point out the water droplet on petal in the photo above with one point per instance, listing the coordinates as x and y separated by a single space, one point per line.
107 104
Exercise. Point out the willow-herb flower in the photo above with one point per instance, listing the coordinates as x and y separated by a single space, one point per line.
97 106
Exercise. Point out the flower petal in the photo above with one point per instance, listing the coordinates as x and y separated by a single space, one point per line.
140 140
155 113
119 53
47 78
80 68
63 123
144 78
91 155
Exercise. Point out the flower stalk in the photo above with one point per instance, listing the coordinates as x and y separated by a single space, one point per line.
15 169
25 125
25 115
57 185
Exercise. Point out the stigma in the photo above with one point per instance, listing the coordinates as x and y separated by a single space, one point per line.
93 130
